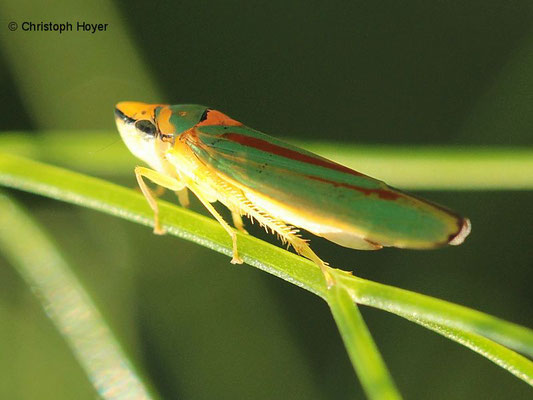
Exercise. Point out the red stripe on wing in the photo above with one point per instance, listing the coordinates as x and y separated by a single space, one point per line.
287 153
385 194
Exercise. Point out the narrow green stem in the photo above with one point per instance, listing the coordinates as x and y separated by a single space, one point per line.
513 362
68 305
112 199
437 167
420 308
362 350
412 167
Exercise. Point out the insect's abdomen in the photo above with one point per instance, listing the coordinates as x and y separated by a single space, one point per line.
385 218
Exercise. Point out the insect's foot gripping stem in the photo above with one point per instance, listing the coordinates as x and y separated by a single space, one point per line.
303 249
236 259
330 281
158 230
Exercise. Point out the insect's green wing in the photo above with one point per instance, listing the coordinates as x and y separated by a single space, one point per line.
335 202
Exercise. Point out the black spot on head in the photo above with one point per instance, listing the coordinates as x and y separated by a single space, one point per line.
204 115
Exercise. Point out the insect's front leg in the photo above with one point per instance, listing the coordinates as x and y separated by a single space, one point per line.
161 180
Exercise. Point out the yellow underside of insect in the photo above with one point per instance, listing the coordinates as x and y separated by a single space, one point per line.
183 171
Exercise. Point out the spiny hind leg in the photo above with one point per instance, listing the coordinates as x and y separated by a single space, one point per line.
161 180
236 259
287 234
237 221
302 248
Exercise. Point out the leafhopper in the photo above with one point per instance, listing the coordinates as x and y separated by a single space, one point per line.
282 187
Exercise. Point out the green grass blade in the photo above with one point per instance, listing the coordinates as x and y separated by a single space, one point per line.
509 360
437 167
72 187
418 307
364 354
68 305
110 198
413 167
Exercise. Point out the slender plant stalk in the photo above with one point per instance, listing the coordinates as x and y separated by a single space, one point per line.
433 314
420 308
68 305
451 320
362 349
513 362
413 167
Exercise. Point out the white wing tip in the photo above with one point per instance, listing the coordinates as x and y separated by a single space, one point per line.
463 233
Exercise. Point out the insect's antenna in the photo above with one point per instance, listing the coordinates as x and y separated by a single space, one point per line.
105 147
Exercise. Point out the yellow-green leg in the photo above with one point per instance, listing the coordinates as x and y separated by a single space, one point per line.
183 197
161 180
237 221
236 259
303 249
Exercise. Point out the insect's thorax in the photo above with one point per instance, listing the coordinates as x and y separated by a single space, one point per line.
186 167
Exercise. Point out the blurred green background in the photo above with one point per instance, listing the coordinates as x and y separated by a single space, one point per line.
440 73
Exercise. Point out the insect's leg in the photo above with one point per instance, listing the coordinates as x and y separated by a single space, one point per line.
160 179
286 232
302 248
159 191
183 197
237 221
289 235
236 259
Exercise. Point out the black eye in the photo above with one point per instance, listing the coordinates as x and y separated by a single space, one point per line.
146 126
